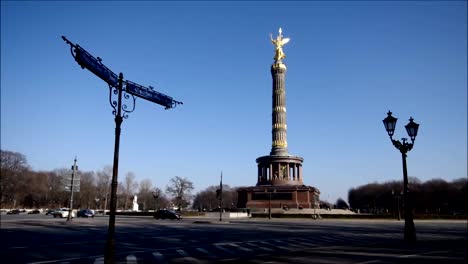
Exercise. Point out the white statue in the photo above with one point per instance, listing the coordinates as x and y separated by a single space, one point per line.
135 203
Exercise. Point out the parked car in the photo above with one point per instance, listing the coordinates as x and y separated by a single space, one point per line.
50 211
62 212
14 211
85 213
167 214
35 211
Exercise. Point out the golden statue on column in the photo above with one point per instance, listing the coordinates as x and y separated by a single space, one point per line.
279 42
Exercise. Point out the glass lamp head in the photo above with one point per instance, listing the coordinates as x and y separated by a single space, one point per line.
390 123
412 129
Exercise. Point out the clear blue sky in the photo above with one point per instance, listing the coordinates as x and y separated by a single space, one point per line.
348 64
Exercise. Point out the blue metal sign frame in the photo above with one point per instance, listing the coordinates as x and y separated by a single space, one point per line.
86 60
150 95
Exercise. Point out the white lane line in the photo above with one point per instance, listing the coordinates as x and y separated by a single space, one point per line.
369 262
296 241
99 260
131 259
287 243
240 247
204 251
17 247
159 257
260 247
187 257
275 246
224 249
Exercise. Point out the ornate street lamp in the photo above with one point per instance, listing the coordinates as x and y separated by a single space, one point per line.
404 147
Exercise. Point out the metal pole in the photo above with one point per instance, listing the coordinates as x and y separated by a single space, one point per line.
221 198
70 211
398 205
410 232
110 244
269 205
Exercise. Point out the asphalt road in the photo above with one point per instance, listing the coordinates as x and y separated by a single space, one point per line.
43 239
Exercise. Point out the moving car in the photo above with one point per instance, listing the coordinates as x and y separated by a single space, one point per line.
167 214
14 211
35 211
62 212
85 213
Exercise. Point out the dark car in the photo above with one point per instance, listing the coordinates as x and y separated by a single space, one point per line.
34 212
167 214
85 213
50 211
14 211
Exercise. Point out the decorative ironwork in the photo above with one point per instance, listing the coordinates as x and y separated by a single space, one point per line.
113 93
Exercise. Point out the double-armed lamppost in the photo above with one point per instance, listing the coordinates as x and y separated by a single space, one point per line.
404 147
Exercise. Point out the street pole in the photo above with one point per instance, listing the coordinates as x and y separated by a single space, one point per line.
95 65
110 244
269 205
398 205
410 232
404 147
70 211
221 198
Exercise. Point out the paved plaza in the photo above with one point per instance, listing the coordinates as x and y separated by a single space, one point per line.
42 239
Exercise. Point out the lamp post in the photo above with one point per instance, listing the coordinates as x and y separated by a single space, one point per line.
70 211
97 203
156 196
404 147
398 197
269 201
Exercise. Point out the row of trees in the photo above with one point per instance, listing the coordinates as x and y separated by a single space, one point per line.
435 196
22 187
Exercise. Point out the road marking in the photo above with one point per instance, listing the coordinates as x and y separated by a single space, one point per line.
18 247
276 246
285 242
369 262
131 259
300 242
240 247
187 257
260 247
99 260
204 251
224 249
159 257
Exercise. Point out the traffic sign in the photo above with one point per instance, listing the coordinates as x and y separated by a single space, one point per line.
86 60
149 94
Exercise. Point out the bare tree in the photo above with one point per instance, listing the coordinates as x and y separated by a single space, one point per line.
103 179
129 187
207 200
87 191
180 189
144 193
13 168
341 204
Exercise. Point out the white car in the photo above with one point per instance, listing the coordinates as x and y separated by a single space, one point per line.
62 212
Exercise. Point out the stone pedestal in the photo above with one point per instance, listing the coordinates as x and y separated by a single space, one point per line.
287 197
